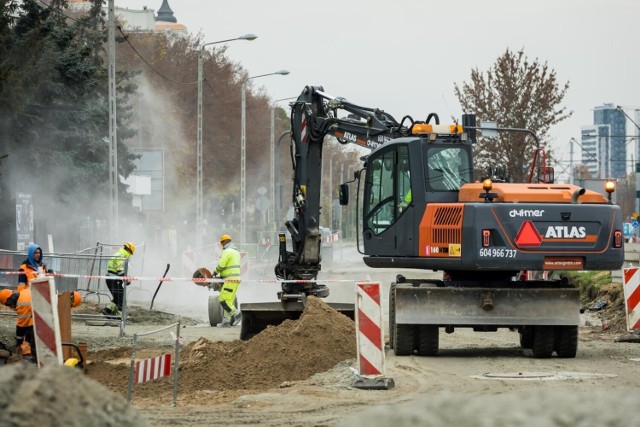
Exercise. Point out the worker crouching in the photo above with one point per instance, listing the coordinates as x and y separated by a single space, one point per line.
228 269
21 303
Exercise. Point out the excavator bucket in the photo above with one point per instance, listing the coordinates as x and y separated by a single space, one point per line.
256 317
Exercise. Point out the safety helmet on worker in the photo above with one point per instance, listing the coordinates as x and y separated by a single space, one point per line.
4 295
76 299
224 238
130 246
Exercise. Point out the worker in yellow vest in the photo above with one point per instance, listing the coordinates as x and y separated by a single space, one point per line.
228 269
116 269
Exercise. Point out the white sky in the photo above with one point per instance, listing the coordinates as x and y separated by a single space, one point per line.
404 56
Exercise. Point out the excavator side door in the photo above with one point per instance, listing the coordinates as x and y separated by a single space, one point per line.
388 208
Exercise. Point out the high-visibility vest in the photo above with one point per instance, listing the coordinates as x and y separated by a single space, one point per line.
23 308
31 274
117 261
229 264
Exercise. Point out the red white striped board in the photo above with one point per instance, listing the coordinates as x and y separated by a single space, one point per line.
370 334
632 297
152 368
46 325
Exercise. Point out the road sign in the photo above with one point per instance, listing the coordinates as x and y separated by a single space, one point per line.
635 223
262 203
262 191
626 229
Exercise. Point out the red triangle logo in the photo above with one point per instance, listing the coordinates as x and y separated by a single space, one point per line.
528 235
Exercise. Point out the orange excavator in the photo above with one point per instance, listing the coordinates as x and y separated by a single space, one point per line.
422 208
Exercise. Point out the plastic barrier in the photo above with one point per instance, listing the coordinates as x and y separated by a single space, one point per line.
152 368
44 304
632 297
370 339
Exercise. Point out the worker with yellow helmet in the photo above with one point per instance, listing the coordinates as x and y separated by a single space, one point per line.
117 268
228 269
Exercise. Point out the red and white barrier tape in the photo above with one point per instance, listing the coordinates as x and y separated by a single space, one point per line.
183 279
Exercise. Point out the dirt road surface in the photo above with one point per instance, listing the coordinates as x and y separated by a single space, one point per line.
482 379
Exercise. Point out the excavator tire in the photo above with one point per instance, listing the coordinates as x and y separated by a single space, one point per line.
543 340
526 337
428 340
566 341
404 339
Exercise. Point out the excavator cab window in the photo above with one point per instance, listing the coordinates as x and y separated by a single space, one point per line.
387 188
448 168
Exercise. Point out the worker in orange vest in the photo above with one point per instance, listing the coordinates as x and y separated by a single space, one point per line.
32 267
21 303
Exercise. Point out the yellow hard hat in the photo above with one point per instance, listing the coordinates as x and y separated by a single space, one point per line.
225 237
130 246
76 299
72 362
4 295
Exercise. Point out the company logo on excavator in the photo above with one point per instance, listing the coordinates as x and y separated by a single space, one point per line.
528 234
526 213
565 232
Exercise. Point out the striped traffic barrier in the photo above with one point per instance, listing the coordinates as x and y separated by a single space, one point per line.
370 339
46 325
152 368
632 297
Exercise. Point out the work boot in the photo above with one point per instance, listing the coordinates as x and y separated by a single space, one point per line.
224 325
235 319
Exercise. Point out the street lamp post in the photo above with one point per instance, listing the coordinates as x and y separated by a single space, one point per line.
243 154
272 176
199 135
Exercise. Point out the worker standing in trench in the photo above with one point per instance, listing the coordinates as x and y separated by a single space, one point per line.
228 269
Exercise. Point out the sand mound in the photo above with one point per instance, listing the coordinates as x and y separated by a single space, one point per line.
60 396
291 351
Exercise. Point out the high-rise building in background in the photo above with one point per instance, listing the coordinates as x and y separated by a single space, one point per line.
604 145
595 141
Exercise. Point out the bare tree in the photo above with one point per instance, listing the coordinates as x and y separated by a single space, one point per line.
519 93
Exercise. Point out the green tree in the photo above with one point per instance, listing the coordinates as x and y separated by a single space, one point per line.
518 93
54 110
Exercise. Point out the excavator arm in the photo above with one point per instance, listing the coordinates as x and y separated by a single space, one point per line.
314 116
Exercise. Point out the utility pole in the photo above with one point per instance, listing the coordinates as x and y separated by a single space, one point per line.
113 137
637 169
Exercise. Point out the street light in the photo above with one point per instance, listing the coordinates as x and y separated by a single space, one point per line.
199 215
243 155
272 178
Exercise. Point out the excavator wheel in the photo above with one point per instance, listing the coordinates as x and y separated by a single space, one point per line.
404 340
428 340
566 341
526 337
543 340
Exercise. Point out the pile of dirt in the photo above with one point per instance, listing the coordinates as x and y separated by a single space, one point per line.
291 351
59 395
609 305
